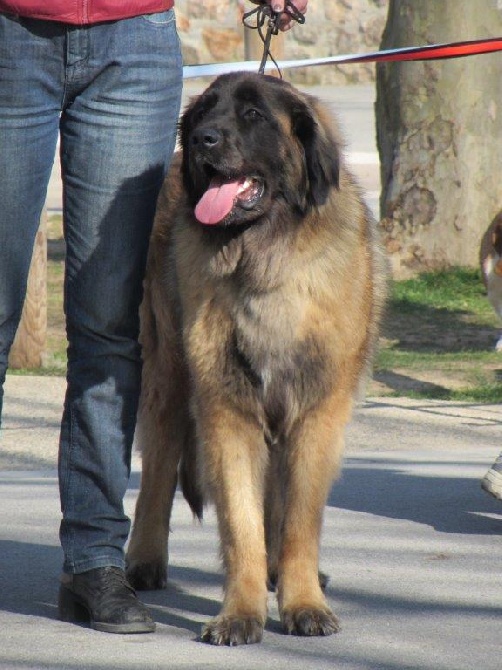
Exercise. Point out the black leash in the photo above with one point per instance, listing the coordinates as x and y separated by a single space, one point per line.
263 13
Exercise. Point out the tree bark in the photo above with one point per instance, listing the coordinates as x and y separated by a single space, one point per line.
30 342
439 132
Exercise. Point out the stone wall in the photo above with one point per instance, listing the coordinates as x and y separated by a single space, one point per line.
211 31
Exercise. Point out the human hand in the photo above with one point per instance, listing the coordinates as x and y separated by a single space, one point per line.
279 6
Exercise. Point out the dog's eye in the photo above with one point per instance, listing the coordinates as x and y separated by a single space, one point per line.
198 114
252 114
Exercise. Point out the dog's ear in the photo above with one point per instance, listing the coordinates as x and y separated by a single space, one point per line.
184 125
322 156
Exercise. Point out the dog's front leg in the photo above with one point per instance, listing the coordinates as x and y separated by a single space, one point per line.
234 459
314 450
163 426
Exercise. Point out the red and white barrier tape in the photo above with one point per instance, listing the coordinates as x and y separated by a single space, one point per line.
428 52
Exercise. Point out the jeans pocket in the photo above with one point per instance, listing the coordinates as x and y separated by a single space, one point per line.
160 18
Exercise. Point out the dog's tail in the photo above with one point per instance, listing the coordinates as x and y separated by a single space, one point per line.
188 475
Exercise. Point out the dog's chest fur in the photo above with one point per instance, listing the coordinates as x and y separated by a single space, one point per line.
281 360
263 346
266 333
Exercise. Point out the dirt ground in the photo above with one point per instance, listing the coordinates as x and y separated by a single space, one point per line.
439 332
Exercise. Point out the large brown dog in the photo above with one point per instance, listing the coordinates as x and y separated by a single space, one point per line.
262 301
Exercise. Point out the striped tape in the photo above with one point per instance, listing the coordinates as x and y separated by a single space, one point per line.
427 52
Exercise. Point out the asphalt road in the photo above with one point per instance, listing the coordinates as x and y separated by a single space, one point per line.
412 544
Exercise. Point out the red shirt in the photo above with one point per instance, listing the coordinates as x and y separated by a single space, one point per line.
83 11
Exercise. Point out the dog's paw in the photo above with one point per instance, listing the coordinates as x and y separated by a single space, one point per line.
233 630
310 621
147 576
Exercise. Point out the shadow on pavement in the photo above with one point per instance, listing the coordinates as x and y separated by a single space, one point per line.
386 488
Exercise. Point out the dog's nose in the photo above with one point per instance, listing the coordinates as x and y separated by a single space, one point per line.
209 137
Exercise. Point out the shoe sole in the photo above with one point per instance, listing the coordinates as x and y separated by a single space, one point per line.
123 629
492 483
71 610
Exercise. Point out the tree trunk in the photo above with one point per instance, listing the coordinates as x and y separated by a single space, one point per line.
29 345
439 132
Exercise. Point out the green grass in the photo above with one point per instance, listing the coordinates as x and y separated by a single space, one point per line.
456 290
394 357
439 335
488 393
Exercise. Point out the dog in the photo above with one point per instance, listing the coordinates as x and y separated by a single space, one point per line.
491 267
264 291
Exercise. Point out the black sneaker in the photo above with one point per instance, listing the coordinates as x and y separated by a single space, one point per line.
492 481
104 599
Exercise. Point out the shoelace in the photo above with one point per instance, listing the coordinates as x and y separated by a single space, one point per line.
113 579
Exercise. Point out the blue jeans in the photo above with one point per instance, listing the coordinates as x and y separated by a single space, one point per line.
112 91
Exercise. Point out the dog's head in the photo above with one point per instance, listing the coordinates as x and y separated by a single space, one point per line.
250 141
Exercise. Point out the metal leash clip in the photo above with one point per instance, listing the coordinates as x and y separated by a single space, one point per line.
264 13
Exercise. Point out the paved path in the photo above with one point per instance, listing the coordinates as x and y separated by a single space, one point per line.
412 544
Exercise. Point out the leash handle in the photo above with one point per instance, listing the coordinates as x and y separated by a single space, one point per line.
272 29
294 12
265 13
289 8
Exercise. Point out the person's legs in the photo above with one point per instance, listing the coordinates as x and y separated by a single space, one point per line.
123 87
30 95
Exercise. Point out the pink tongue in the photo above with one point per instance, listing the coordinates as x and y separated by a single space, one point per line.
217 201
